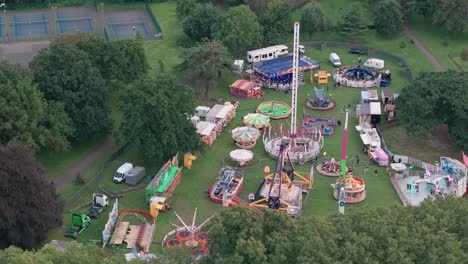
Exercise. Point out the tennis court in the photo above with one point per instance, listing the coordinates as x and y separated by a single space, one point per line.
31 24
70 23
128 24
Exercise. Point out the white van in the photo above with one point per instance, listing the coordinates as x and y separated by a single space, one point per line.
267 53
374 63
335 60
119 176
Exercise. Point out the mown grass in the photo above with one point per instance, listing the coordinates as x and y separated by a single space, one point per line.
191 193
440 43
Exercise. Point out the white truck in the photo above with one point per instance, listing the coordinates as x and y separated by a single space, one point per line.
335 60
99 204
119 176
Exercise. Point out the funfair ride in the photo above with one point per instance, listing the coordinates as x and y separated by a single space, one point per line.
282 190
301 148
348 188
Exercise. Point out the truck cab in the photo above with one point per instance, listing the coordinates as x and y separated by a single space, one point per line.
119 176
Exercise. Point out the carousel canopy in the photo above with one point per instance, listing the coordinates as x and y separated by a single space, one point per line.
398 166
245 134
241 155
257 120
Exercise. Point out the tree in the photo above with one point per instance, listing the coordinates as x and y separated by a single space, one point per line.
352 25
239 29
388 18
210 58
26 117
313 18
29 204
156 117
440 99
452 15
122 60
393 234
199 23
276 21
65 74
185 7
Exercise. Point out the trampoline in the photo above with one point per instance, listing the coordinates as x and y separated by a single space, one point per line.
280 70
30 25
128 29
74 24
325 125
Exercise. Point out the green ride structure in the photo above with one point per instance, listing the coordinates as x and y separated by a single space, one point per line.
165 181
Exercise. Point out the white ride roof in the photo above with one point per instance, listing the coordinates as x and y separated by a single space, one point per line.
375 108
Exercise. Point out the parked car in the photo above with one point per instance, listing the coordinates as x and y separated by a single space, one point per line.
335 60
356 51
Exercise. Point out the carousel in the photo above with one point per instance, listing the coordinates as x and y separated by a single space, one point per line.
241 157
245 137
259 121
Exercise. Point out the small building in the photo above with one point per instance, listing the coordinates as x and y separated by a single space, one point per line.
207 132
386 96
322 77
390 112
218 112
369 113
238 66
369 96
246 89
202 111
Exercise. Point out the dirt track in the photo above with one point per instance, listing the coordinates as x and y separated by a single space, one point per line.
423 49
84 163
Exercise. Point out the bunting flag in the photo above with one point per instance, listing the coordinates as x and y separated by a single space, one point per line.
465 158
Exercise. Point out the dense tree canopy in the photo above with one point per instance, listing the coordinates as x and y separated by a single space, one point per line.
435 99
239 29
185 7
352 24
452 15
26 117
122 60
388 17
156 117
435 232
276 22
201 21
29 205
313 18
210 59
66 74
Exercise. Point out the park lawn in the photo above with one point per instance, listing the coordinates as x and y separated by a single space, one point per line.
57 163
164 50
191 193
440 43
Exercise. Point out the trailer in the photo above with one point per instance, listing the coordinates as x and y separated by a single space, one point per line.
133 176
79 223
100 203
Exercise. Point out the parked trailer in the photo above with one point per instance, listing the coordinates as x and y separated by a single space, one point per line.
133 176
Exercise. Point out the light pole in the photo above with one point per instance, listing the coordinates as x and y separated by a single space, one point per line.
4 18
102 18
55 19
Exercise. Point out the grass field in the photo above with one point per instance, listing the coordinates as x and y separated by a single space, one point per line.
191 192
440 43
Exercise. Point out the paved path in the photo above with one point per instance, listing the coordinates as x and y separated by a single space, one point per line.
84 163
21 52
423 49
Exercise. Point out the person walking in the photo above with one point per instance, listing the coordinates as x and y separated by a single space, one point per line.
366 169
376 172
357 159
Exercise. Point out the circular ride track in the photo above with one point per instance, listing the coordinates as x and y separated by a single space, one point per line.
274 109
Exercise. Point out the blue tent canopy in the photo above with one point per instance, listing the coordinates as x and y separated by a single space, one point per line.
280 69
